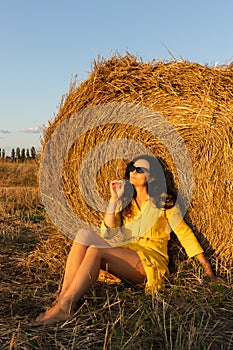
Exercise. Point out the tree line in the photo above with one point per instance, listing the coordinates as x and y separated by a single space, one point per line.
19 155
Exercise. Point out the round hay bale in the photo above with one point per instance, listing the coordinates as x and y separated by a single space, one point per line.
197 100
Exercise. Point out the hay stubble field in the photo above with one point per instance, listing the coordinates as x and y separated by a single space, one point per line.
191 313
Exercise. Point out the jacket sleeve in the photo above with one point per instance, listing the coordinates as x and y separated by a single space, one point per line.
183 232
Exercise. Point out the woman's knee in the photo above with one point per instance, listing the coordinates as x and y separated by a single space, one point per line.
89 237
83 236
94 251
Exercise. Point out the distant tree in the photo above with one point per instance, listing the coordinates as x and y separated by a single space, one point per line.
18 153
3 154
23 154
0 153
33 153
28 154
13 154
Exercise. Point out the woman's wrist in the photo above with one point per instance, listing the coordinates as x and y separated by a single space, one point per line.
113 198
112 205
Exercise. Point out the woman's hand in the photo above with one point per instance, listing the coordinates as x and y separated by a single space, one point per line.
217 280
117 189
208 270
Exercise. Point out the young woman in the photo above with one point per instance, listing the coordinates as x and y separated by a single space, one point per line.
145 217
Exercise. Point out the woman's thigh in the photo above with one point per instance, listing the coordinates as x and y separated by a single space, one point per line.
124 262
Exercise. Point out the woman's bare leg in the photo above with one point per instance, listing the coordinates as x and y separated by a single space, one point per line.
124 262
74 260
77 254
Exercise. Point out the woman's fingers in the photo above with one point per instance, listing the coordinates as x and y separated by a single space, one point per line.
216 279
117 187
221 281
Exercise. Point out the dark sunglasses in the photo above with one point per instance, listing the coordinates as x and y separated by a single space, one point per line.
139 169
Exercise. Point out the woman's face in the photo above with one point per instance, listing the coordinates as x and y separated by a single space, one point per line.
140 173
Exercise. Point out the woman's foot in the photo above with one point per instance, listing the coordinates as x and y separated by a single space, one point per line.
56 313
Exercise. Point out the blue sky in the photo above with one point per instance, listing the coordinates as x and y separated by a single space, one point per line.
44 43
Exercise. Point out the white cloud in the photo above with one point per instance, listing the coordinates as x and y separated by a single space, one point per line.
5 131
31 130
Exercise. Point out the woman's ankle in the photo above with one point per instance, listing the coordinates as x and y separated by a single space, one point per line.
65 304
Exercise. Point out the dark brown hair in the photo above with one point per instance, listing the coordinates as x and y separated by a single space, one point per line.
161 189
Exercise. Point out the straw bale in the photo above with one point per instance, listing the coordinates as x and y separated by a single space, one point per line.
197 100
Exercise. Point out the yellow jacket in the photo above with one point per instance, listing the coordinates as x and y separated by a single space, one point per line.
147 231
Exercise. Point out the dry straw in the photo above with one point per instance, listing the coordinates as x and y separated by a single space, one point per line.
197 100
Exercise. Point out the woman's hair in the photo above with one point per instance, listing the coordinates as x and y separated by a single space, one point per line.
161 188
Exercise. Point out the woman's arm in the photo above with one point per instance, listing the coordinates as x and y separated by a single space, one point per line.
109 216
117 190
190 242
208 269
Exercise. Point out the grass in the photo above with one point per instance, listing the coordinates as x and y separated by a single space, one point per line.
190 313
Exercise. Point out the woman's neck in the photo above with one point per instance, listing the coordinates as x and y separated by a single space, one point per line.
141 194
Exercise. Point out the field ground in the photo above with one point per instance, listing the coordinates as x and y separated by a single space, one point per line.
191 313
